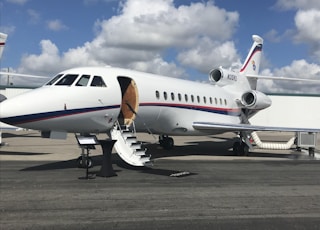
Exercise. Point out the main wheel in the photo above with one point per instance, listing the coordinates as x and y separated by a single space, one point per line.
166 142
245 150
237 148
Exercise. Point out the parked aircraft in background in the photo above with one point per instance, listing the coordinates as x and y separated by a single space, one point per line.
117 101
3 38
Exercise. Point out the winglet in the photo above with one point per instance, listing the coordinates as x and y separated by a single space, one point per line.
3 38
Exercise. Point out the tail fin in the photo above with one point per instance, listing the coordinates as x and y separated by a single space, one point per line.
3 38
252 63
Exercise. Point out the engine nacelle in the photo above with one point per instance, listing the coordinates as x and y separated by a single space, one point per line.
222 76
255 100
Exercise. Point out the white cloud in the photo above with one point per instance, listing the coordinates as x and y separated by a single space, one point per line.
297 69
19 2
208 54
298 4
306 21
56 25
306 24
34 16
8 29
159 24
145 30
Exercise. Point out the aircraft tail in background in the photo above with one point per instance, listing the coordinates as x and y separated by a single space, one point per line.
3 38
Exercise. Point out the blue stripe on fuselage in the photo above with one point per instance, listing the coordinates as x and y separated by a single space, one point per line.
50 115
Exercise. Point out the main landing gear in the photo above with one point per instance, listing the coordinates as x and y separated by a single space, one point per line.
242 147
166 142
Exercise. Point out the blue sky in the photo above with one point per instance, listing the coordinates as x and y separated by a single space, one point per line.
175 38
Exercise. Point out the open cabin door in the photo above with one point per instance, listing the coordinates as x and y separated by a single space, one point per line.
130 100
127 145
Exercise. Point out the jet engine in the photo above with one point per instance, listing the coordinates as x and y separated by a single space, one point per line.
255 100
222 76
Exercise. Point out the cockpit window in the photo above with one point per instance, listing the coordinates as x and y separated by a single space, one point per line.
98 82
53 80
67 79
83 81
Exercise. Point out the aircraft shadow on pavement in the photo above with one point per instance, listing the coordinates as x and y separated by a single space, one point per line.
222 147
205 148
21 153
61 165
14 135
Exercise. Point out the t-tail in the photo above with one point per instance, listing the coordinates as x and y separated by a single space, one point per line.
3 38
241 83
225 77
251 65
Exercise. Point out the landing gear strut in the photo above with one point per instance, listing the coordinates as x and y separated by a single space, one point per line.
166 142
242 147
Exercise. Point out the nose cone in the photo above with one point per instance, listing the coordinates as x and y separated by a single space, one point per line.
7 112
18 110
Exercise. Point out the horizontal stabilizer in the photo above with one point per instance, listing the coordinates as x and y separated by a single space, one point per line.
207 126
281 78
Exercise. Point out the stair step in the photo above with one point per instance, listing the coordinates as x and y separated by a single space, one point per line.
140 152
129 148
135 147
131 138
145 159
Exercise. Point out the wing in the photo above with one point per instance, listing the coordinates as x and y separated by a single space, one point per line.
21 75
224 127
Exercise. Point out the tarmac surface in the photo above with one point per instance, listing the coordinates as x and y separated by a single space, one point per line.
196 185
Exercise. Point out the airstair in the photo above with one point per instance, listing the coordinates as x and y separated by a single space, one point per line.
128 147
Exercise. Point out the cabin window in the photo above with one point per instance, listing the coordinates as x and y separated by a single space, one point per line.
192 98
210 100
53 80
67 79
98 82
165 96
157 94
198 99
172 96
179 96
215 100
225 102
83 81
205 100
220 101
186 97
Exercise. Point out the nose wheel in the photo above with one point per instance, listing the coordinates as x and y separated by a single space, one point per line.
84 162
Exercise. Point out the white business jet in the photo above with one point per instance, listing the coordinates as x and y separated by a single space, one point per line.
116 101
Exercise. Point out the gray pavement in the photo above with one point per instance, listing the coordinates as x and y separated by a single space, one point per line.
41 189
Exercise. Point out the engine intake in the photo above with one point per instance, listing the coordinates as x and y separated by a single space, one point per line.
222 76
255 100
